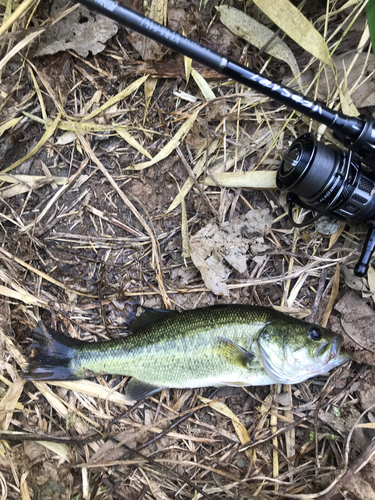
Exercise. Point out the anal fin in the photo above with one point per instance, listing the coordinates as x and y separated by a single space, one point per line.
136 389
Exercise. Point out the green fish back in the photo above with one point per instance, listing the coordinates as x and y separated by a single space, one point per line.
182 349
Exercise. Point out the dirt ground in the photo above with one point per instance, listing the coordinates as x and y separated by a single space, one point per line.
104 210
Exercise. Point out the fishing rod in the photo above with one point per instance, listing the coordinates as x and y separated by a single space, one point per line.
322 178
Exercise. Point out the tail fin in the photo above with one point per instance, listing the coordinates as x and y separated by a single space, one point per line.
51 356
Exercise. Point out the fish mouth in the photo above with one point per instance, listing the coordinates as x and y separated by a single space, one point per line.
335 345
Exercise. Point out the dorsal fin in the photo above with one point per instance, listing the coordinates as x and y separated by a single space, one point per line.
149 316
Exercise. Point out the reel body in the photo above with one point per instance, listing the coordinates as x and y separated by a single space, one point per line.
319 177
331 182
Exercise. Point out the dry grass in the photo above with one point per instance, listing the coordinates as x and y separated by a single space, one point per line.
92 223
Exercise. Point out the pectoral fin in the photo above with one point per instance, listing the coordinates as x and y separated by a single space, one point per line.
234 353
136 389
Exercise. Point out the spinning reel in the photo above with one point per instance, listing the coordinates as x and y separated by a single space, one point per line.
322 178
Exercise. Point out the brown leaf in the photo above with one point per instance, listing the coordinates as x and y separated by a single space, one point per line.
150 50
361 486
215 247
9 401
357 321
82 31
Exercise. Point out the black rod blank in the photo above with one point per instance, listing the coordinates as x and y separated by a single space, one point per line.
348 129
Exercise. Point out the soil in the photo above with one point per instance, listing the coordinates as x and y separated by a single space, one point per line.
88 238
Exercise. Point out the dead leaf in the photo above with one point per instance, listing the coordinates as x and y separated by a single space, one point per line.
214 272
149 49
256 179
35 449
170 146
132 141
258 35
9 401
60 449
359 81
288 18
347 104
183 275
25 495
213 247
240 429
335 236
22 44
371 281
21 295
24 183
360 487
187 63
198 170
81 31
47 134
366 391
357 320
9 124
249 179
66 138
203 85
93 389
369 425
351 280
333 296
341 424
133 87
327 226
149 88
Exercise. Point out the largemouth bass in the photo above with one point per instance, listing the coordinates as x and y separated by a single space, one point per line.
221 345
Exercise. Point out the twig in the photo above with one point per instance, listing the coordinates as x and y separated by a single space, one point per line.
196 183
318 296
23 436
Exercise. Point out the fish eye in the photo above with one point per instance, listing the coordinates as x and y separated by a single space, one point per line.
314 333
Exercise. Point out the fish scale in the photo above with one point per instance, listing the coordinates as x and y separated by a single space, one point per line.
213 346
180 348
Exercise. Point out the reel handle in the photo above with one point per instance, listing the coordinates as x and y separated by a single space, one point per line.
361 268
